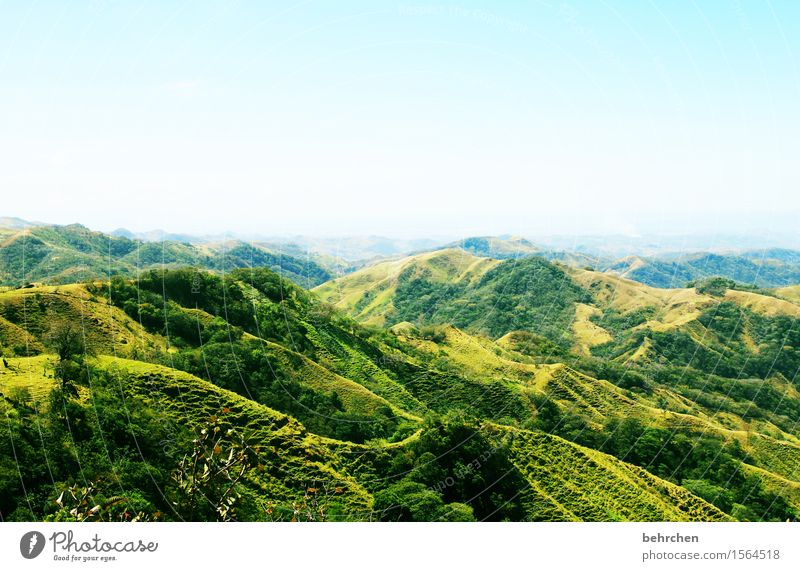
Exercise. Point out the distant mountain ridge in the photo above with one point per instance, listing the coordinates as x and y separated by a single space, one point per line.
13 223
65 254
311 261
358 248
156 236
498 247
769 268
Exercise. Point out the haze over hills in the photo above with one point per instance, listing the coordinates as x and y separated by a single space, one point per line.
12 223
162 236
616 246
767 268
772 267
311 261
66 254
498 247
357 248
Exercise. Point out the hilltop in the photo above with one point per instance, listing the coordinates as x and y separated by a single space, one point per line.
370 294
498 247
479 294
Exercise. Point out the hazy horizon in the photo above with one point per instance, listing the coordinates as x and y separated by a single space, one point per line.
611 243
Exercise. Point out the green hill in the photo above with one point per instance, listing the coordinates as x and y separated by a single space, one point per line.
68 254
770 268
452 286
499 248
501 384
371 294
295 461
586 312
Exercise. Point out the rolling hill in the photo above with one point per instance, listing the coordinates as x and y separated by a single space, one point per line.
499 248
68 254
590 312
710 361
370 294
570 394
767 268
792 293
482 295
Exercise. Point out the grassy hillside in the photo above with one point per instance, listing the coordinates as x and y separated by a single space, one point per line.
672 418
452 286
771 268
370 294
294 461
27 314
732 333
718 326
516 395
68 254
792 293
766 268
711 365
573 483
499 248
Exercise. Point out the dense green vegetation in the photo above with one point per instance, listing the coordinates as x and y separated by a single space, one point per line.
530 293
67 254
453 472
719 342
772 268
474 407
117 443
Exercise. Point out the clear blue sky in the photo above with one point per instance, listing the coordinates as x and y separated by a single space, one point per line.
401 118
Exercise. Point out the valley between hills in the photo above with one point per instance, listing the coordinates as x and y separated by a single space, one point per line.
483 380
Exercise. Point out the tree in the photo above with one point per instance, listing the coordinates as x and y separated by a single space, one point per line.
69 344
412 501
208 478
88 503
